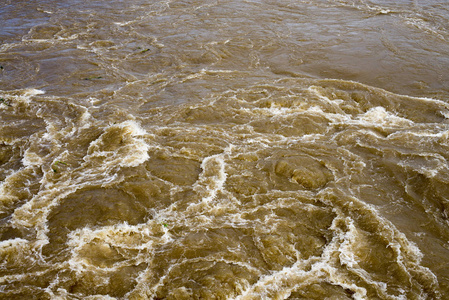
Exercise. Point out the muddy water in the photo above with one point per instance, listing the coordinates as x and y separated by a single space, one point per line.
224 149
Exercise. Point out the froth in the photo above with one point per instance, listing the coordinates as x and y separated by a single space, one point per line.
23 95
378 116
120 144
255 193
213 177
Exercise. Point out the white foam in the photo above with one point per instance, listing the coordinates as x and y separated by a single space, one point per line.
379 116
23 96
107 238
427 164
31 159
124 23
132 153
33 92
423 25
213 177
12 243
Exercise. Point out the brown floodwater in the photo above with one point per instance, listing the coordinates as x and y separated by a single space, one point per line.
291 149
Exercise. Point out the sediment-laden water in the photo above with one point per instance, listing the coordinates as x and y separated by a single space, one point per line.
224 149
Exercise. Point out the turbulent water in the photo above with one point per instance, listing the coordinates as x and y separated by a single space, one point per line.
224 149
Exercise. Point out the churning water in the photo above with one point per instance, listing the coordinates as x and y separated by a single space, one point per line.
292 149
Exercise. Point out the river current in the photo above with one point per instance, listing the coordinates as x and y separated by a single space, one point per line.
251 149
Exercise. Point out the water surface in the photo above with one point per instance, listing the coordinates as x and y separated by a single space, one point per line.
224 149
